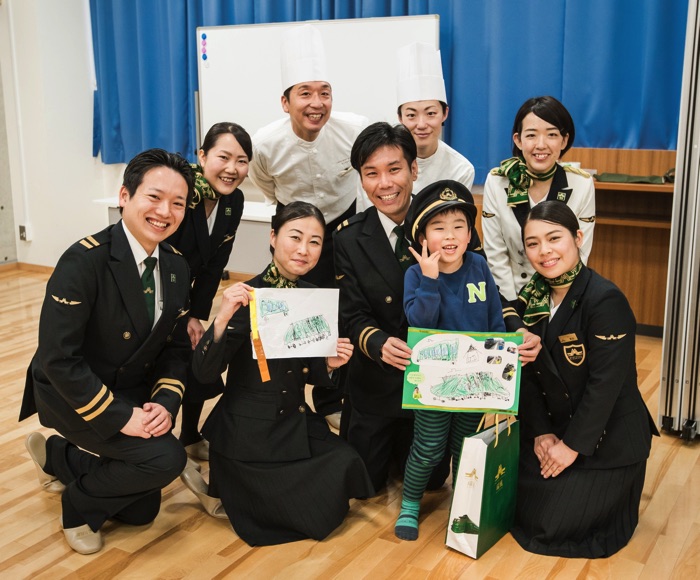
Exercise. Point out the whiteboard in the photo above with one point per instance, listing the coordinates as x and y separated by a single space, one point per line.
239 80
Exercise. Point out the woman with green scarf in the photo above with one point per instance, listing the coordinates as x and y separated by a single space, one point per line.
585 430
277 472
543 131
205 239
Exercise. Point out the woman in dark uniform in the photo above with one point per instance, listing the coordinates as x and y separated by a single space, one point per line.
280 474
586 430
205 238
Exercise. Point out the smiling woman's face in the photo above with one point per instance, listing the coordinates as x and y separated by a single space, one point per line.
551 248
297 246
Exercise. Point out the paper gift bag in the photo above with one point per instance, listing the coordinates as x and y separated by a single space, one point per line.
483 503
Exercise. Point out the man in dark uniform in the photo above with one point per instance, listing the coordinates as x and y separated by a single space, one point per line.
371 256
370 272
110 367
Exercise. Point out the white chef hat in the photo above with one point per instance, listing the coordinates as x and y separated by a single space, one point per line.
420 74
302 55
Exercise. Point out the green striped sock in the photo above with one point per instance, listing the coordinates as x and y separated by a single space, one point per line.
407 525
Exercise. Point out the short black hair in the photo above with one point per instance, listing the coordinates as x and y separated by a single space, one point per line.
295 211
555 212
152 158
550 110
226 127
382 134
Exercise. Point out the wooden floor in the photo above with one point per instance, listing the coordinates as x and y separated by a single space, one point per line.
184 542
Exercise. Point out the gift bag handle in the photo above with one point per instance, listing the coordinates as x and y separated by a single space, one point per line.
483 420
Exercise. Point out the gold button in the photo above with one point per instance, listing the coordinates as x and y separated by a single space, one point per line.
302 409
126 335
305 370
388 299
169 339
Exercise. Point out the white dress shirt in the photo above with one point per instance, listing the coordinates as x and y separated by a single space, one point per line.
139 256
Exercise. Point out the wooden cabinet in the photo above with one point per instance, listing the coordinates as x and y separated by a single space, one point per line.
633 226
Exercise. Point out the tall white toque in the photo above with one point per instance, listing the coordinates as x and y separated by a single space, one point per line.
420 74
302 56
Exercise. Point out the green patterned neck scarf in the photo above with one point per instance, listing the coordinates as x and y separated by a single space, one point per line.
520 178
273 277
202 189
535 294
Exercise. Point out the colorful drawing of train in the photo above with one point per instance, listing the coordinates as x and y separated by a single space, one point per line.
311 329
477 385
271 307
445 351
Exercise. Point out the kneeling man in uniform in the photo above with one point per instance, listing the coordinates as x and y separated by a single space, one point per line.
110 367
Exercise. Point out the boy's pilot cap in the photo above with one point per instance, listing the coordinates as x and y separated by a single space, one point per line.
435 198
302 56
420 74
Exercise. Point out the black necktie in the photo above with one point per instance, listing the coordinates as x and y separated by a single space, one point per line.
401 248
149 287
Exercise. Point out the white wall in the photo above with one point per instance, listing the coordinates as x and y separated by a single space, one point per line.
46 78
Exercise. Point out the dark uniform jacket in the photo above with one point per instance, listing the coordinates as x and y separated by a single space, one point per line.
208 255
371 308
254 420
583 385
97 356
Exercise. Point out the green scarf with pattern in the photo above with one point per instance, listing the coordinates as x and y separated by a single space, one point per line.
520 178
202 189
535 294
273 277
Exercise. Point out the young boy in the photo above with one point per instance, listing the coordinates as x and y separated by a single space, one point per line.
449 289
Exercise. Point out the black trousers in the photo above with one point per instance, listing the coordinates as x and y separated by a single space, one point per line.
117 478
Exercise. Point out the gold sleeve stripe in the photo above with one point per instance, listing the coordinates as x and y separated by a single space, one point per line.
361 341
167 387
509 311
100 410
172 384
364 337
97 398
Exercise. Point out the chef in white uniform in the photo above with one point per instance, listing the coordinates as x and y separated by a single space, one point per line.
422 109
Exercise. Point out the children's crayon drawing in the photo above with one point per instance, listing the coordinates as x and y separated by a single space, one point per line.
297 322
460 371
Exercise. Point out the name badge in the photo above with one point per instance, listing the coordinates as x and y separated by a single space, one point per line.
565 338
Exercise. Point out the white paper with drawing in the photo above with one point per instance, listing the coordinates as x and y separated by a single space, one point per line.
297 322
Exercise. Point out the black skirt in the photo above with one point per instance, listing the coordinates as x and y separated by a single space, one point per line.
582 513
275 503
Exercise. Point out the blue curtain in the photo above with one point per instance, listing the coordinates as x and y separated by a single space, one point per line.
617 66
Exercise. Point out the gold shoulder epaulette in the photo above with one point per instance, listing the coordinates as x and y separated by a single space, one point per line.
577 171
487 214
341 225
89 242
588 220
